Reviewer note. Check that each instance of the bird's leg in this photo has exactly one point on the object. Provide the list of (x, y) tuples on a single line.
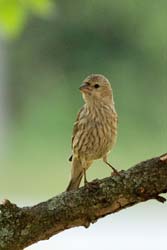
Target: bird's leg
[(114, 169), (90, 185), (85, 180)]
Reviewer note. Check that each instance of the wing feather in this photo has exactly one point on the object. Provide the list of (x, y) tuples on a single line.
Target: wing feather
[(75, 129)]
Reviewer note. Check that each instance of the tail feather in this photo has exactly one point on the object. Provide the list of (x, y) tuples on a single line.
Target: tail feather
[(74, 182), (76, 174)]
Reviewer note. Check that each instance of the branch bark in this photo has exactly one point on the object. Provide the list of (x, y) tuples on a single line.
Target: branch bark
[(21, 227)]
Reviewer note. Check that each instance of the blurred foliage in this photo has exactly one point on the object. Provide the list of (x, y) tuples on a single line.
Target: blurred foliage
[(14, 14), (124, 40)]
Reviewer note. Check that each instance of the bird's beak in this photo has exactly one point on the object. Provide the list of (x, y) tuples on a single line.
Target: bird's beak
[(85, 88)]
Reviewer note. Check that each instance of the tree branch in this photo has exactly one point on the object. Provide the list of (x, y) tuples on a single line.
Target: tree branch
[(21, 227)]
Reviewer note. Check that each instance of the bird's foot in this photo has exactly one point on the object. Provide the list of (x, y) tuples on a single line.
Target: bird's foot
[(92, 185), (116, 173)]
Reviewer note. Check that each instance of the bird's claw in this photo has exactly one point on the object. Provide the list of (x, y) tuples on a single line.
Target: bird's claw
[(114, 174), (92, 185), (117, 173)]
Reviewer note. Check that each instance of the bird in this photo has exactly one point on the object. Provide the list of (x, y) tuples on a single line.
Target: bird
[(95, 129)]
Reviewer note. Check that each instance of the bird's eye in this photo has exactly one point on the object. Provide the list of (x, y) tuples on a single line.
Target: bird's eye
[(96, 86)]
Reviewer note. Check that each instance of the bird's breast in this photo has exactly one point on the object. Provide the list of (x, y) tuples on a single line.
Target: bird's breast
[(97, 132)]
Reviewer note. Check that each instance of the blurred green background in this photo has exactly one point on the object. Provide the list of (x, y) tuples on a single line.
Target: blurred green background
[(46, 49)]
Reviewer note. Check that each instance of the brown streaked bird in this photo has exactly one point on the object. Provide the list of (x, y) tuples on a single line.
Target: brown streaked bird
[(95, 129)]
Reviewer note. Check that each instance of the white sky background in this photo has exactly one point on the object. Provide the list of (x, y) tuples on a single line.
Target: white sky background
[(141, 227)]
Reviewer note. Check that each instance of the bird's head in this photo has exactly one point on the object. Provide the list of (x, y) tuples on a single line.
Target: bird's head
[(96, 88)]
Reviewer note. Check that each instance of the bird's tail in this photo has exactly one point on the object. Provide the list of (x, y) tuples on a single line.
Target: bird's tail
[(76, 175)]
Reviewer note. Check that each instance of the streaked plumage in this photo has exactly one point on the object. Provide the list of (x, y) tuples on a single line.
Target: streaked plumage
[(95, 129)]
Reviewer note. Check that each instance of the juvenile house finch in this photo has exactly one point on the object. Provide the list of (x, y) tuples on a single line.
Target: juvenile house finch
[(95, 129)]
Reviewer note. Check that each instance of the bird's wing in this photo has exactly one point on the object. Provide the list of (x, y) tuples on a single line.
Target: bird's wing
[(70, 158), (75, 129)]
